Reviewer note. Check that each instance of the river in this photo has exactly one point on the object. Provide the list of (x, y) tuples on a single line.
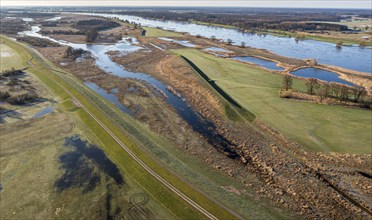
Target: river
[(349, 57), (99, 52)]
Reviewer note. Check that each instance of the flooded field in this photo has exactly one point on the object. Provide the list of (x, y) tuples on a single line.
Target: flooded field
[(100, 52), (349, 57)]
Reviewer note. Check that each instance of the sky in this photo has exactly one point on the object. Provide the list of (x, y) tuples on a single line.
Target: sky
[(365, 4)]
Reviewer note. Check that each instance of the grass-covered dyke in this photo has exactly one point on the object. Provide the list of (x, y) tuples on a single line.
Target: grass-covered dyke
[(322, 128), (56, 81), (229, 109)]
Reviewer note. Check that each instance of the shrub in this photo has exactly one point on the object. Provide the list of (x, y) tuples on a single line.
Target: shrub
[(285, 94), (4, 95), (287, 82), (312, 85)]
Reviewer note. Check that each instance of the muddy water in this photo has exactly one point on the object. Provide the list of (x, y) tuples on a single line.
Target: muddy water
[(199, 124), (349, 57)]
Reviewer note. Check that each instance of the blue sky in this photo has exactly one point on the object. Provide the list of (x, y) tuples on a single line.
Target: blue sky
[(366, 4)]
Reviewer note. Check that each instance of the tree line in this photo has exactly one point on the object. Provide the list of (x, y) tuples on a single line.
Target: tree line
[(324, 90)]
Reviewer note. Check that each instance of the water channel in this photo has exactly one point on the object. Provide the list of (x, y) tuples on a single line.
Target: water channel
[(104, 62)]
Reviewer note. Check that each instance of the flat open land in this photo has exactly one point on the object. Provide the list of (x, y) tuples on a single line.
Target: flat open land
[(317, 127), (155, 32), (9, 58), (119, 146)]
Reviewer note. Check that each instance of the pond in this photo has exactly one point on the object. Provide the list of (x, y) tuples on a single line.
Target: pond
[(108, 96), (321, 75), (43, 112), (261, 62), (217, 49), (349, 57), (181, 42)]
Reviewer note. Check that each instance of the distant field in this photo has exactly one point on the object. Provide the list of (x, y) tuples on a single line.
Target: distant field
[(9, 58), (156, 32), (355, 23), (318, 127)]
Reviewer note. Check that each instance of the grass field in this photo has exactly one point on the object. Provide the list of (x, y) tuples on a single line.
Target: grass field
[(30, 161), (212, 24), (156, 32), (112, 149), (9, 58), (360, 24), (318, 127)]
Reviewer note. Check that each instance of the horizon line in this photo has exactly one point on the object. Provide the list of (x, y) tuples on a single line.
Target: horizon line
[(180, 6)]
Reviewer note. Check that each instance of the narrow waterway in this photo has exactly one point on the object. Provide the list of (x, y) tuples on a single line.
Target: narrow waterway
[(349, 57), (199, 124)]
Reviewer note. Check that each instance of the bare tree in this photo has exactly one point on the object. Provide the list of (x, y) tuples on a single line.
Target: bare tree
[(335, 89), (358, 93), (362, 44), (344, 93), (287, 82), (91, 35), (312, 85), (324, 91)]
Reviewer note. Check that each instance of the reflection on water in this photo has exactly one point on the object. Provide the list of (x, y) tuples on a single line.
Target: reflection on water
[(199, 124), (217, 49), (109, 96), (355, 58), (321, 74), (182, 42), (43, 112), (80, 164), (264, 63)]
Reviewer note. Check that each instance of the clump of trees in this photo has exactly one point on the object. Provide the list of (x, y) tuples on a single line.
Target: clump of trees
[(97, 24), (16, 91), (323, 90), (23, 98), (38, 42), (12, 27), (65, 32), (11, 72), (91, 35), (339, 44), (362, 44), (74, 53), (312, 85), (287, 83)]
